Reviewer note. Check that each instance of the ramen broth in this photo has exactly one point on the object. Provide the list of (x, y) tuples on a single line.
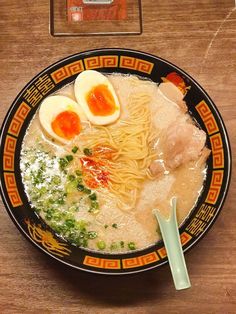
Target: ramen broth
[(93, 216)]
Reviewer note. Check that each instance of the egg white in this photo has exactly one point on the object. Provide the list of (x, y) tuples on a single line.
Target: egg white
[(84, 83), (54, 105)]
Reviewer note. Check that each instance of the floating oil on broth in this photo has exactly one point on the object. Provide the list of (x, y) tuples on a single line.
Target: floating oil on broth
[(98, 190)]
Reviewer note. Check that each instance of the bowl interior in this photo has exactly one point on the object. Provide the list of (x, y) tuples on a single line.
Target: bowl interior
[(200, 107)]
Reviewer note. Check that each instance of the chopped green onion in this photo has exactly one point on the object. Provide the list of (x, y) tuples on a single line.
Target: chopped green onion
[(87, 152), (94, 204), (101, 245), (82, 224), (56, 179), (87, 191), (43, 166), (122, 244), (113, 246), (94, 208), (48, 216), (49, 213), (114, 226), (63, 162), (70, 223), (69, 157), (92, 234), (60, 201), (71, 177), (93, 196), (79, 180), (71, 186), (43, 190), (105, 226), (74, 149), (74, 208), (80, 187), (78, 172), (57, 216), (131, 246)]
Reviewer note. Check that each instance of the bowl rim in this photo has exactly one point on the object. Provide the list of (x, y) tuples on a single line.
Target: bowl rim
[(152, 56)]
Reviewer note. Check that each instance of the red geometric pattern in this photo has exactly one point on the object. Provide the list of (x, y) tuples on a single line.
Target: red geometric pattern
[(101, 262), (101, 62), (12, 190), (196, 226), (217, 151), (206, 212), (18, 119), (207, 117), (216, 142), (216, 182), (67, 71), (162, 252), (211, 125), (203, 110), (136, 64), (9, 153), (184, 238), (140, 260)]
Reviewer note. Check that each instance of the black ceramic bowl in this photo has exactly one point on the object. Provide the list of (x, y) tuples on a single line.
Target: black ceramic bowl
[(21, 112)]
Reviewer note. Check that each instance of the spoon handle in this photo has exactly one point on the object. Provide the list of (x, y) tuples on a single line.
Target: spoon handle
[(171, 238)]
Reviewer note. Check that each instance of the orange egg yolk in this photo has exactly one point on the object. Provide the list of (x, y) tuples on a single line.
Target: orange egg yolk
[(101, 101), (66, 124)]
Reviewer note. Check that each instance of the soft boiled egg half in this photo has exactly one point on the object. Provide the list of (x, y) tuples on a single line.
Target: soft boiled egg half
[(61, 117), (97, 97)]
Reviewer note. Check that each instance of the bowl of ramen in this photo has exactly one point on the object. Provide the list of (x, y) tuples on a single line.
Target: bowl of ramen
[(96, 141)]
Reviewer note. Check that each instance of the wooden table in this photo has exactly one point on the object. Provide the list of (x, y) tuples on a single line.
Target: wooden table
[(198, 36)]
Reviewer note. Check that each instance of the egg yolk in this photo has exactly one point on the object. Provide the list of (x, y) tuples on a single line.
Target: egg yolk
[(100, 101), (66, 124)]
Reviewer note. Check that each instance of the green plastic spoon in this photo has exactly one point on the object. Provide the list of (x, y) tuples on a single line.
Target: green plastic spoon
[(171, 238)]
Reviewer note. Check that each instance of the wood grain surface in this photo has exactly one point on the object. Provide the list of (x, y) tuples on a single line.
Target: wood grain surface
[(198, 36)]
